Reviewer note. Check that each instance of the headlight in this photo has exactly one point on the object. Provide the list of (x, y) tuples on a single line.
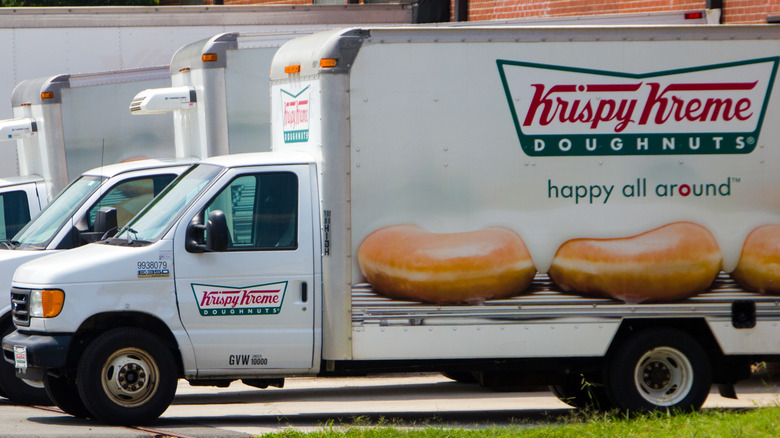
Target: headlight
[(46, 303)]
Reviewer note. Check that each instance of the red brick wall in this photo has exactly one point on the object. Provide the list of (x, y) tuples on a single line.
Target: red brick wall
[(734, 11), (749, 11)]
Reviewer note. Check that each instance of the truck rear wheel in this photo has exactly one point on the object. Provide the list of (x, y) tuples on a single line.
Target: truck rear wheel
[(659, 369), (127, 376), (18, 390), (65, 395)]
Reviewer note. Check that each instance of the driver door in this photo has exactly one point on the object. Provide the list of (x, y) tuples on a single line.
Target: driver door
[(250, 306)]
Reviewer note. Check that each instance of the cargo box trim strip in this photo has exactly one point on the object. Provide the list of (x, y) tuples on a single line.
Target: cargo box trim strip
[(568, 111)]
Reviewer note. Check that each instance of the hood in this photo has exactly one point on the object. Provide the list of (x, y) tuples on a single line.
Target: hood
[(93, 263)]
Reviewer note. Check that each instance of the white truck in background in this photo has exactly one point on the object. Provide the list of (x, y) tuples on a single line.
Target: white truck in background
[(219, 85), (411, 222), (219, 93), (64, 125), (42, 42)]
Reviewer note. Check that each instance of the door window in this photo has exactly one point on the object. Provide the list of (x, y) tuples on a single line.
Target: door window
[(129, 197), (15, 213), (261, 211)]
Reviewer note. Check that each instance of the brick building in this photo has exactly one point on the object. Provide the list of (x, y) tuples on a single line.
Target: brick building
[(732, 11)]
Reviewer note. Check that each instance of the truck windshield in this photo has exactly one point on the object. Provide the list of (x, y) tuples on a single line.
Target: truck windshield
[(153, 221), (40, 231)]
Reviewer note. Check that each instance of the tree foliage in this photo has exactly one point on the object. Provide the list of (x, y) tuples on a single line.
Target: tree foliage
[(42, 3)]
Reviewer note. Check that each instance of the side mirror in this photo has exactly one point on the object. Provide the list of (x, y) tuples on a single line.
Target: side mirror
[(216, 232), (106, 221), (105, 226), (194, 239)]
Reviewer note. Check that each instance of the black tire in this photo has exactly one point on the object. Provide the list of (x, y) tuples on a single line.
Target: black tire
[(583, 394), (659, 369), (17, 390), (127, 376), (461, 376), (65, 395)]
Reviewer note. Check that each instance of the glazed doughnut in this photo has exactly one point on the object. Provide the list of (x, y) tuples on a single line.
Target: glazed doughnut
[(759, 265), (672, 262), (406, 262)]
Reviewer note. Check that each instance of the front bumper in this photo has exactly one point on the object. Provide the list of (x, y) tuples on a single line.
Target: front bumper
[(42, 353)]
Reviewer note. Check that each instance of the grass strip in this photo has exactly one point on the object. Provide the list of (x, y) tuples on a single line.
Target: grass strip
[(752, 423)]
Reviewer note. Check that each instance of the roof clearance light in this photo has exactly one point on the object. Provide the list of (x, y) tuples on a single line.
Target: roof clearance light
[(694, 15), (47, 95), (327, 63), (290, 69), (209, 57)]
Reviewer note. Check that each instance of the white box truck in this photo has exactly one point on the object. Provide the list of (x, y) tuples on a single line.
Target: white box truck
[(219, 93), (532, 206), (219, 85), (45, 41), (64, 125)]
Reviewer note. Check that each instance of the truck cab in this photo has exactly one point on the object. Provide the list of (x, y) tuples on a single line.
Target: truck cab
[(233, 243)]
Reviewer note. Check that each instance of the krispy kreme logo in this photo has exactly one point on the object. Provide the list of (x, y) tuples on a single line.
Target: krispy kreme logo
[(295, 113), (263, 299), (714, 109)]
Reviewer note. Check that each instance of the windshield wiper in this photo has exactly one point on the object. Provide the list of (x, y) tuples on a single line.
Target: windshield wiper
[(134, 232), (10, 244)]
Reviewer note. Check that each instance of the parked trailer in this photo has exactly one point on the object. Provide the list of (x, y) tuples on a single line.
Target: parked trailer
[(64, 125), (526, 205), (219, 87), (219, 94), (47, 41)]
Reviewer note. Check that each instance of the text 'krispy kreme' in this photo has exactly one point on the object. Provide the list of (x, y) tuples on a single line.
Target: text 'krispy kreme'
[(661, 105), (716, 109), (251, 300)]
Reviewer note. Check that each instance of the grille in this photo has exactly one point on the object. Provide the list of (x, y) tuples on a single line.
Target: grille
[(20, 307)]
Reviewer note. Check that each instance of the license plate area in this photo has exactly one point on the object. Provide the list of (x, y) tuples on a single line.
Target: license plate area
[(20, 357)]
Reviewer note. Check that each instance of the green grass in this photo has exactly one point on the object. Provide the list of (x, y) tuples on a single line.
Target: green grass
[(748, 423)]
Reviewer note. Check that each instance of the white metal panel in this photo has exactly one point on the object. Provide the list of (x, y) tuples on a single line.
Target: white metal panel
[(530, 340), (761, 339), (457, 124)]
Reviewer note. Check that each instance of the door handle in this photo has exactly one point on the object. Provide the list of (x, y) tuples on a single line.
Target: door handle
[(304, 292)]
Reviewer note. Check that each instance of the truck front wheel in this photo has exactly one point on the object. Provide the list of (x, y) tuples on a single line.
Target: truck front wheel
[(659, 369), (127, 376)]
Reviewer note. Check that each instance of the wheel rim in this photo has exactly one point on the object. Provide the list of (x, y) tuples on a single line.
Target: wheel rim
[(664, 376), (130, 377)]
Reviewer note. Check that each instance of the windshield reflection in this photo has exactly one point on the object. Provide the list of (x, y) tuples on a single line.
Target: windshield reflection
[(40, 231), (152, 222)]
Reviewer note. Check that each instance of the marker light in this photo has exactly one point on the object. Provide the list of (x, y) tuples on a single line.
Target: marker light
[(209, 57), (46, 303), (327, 62), (694, 15), (290, 69), (47, 95)]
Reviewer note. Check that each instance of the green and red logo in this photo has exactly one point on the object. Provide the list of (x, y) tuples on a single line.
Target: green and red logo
[(713, 109), (295, 113), (261, 299)]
